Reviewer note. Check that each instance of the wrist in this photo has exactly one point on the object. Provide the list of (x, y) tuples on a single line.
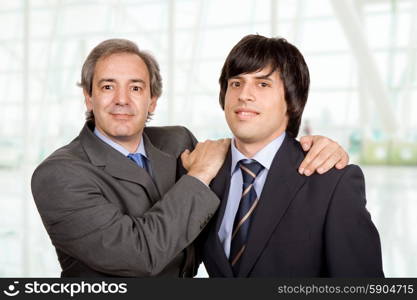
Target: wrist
[(202, 176)]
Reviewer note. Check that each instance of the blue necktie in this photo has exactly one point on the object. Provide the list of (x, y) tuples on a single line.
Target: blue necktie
[(139, 159), (247, 206)]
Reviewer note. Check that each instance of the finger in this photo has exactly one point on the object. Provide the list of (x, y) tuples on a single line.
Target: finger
[(321, 158), (312, 154), (306, 142), (328, 164), (343, 161), (331, 160)]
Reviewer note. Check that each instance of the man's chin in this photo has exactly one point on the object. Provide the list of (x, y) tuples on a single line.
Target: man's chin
[(124, 132), (246, 136)]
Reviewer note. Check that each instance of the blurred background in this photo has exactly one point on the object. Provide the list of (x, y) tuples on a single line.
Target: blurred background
[(362, 57)]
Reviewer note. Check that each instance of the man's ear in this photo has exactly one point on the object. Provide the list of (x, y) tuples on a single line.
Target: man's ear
[(88, 100), (152, 104)]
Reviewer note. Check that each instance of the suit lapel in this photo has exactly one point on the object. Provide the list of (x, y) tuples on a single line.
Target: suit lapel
[(281, 185), (220, 186), (114, 163), (163, 166)]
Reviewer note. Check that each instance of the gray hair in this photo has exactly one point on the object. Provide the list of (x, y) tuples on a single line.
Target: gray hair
[(114, 46)]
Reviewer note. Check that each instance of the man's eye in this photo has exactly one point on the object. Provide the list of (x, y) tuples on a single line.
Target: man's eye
[(264, 84), (136, 88), (107, 87), (235, 84)]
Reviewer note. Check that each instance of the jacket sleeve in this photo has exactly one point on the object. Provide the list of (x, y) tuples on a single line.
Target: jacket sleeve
[(352, 244), (190, 142), (84, 224), (192, 258)]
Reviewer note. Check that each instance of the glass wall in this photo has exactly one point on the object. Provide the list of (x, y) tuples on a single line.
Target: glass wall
[(362, 60)]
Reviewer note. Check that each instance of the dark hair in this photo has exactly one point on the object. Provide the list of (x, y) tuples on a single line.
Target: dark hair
[(255, 52), (114, 46)]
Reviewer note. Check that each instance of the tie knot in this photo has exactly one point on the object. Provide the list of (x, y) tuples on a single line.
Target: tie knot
[(137, 158), (250, 171)]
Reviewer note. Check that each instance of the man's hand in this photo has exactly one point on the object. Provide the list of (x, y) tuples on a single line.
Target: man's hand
[(323, 155), (206, 159)]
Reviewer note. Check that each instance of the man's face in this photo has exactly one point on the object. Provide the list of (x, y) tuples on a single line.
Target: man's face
[(255, 107), (121, 97)]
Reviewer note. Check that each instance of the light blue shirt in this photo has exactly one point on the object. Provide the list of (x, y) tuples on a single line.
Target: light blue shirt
[(264, 157), (120, 148)]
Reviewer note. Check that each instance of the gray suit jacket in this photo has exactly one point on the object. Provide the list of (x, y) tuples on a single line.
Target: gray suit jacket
[(107, 216)]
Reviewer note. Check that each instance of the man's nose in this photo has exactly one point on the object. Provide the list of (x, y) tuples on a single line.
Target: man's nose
[(246, 93), (121, 96)]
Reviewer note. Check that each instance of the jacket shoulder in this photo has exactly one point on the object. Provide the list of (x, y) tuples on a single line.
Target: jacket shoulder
[(70, 152), (64, 158), (348, 171), (171, 139), (167, 132), (297, 154)]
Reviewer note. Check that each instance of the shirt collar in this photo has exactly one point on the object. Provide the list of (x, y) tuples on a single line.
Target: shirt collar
[(264, 156), (118, 147)]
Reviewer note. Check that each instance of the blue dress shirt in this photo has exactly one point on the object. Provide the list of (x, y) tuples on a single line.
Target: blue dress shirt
[(121, 149)]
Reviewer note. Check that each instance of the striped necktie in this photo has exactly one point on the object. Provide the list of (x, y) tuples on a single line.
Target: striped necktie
[(247, 205)]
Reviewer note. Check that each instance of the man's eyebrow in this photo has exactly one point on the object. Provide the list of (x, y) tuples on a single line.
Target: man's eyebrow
[(138, 80), (267, 77), (106, 80), (236, 77), (135, 80)]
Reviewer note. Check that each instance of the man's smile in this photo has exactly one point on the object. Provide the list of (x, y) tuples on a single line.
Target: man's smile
[(246, 113)]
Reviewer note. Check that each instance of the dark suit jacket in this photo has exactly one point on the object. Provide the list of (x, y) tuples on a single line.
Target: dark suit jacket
[(107, 216), (314, 226)]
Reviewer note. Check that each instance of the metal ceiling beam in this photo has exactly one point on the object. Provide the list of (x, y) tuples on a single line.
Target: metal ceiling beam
[(366, 62), (170, 89), (409, 76), (26, 142), (274, 17)]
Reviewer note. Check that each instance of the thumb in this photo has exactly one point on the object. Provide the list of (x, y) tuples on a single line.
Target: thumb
[(185, 155)]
